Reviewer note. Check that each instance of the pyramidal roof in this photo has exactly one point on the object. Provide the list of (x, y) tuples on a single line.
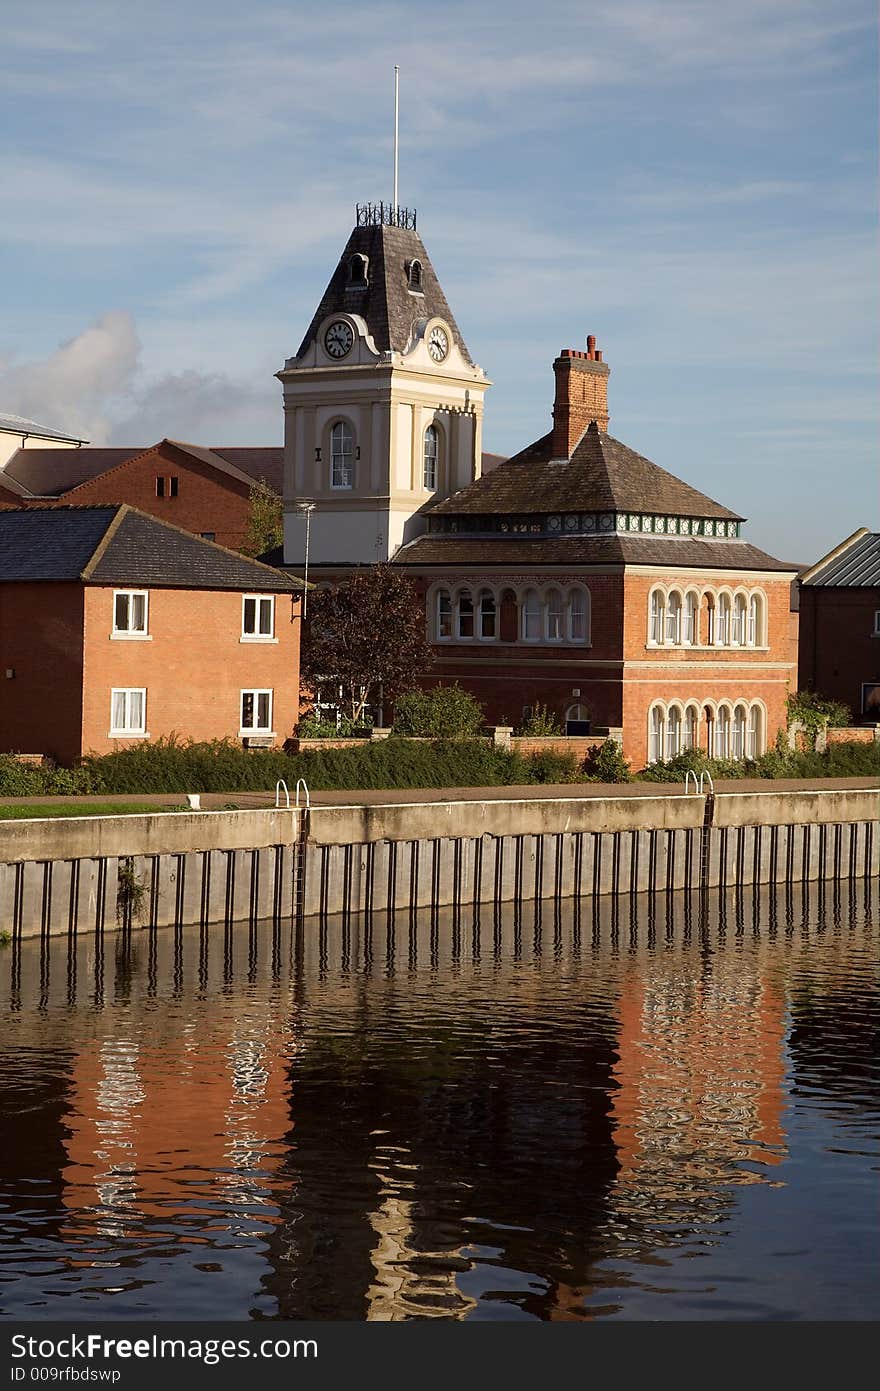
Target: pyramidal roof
[(387, 303), (601, 475)]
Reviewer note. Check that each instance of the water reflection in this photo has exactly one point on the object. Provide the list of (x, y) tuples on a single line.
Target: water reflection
[(568, 1111)]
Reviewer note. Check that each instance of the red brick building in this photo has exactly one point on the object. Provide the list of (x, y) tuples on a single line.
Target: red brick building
[(205, 491), (840, 625), (577, 575), (116, 628)]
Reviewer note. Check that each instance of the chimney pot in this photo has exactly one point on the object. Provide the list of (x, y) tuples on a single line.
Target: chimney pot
[(581, 396)]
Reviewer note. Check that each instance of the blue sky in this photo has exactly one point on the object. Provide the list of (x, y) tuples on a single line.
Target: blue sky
[(692, 181)]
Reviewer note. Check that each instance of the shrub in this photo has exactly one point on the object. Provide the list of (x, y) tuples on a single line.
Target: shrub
[(442, 712), (312, 727), (548, 766), (541, 724), (815, 712), (606, 763)]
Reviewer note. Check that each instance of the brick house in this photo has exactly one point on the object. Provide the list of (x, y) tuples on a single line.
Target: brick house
[(117, 628), (840, 625), (205, 491)]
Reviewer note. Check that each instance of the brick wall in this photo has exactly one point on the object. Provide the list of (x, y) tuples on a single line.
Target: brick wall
[(838, 649), (193, 667), (854, 735), (578, 746), (207, 500), (41, 644)]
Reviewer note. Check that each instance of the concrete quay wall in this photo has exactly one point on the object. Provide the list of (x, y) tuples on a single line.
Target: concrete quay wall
[(91, 874)]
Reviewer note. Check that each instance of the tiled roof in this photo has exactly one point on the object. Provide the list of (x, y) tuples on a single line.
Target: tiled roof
[(601, 475), (389, 307), (121, 546), (20, 425), (52, 472), (853, 565), (579, 551)]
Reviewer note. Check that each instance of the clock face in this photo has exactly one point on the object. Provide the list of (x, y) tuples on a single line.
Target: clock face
[(438, 343), (339, 338)]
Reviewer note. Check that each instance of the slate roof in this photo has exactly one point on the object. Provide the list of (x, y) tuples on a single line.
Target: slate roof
[(122, 546), (20, 425), (579, 551), (601, 475), (853, 565), (389, 307), (51, 472)]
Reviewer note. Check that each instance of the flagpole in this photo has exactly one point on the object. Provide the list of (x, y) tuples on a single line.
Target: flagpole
[(396, 113)]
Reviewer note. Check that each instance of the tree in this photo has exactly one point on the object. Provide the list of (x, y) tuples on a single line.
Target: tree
[(366, 636), (265, 528)]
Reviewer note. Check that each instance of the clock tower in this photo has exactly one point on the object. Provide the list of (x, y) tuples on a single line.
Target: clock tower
[(383, 403)]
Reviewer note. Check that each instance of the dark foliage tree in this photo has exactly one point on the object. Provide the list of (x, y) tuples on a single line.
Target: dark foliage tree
[(367, 637), (265, 527)]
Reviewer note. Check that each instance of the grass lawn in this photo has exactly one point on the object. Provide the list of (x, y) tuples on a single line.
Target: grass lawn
[(33, 810)]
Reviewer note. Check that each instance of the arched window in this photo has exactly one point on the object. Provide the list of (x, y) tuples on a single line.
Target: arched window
[(357, 271), (655, 735), (531, 616), (722, 733), (579, 615), (414, 275), (577, 720), (740, 621), (689, 621), (488, 614), (341, 455), (723, 621), (673, 731), (657, 615), (444, 614), (673, 617), (756, 621), (465, 614), (555, 616), (429, 468), (691, 727), (755, 736), (739, 732)]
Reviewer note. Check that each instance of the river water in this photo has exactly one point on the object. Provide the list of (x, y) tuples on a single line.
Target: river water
[(664, 1110)]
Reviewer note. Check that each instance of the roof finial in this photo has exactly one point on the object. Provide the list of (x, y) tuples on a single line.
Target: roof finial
[(396, 111)]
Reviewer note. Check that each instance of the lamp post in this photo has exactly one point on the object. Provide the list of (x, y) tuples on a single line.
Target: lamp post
[(307, 507)]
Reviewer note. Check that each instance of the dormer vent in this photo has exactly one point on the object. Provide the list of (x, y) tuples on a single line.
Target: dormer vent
[(414, 274), (357, 272)]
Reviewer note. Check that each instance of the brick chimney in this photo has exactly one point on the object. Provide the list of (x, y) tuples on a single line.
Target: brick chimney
[(581, 396)]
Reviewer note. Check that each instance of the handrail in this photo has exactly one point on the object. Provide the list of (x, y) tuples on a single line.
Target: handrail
[(301, 783), (278, 786), (687, 781), (708, 776)]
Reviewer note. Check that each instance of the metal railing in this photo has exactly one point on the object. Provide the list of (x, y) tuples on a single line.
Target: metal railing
[(301, 783), (278, 786)]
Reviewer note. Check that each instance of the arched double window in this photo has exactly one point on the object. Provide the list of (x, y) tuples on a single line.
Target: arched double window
[(727, 733), (673, 617), (722, 635), (717, 619), (430, 456), (341, 455), (740, 621), (464, 615)]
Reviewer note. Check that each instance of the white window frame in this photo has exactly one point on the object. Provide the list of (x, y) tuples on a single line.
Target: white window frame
[(258, 600), (125, 731), (448, 613), (132, 634), (256, 692), (432, 460), (656, 618), (877, 623), (346, 460)]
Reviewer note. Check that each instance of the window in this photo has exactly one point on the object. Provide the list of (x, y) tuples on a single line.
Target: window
[(208, 535), (128, 709), (722, 733), (256, 712), (739, 732), (577, 615), (689, 629), (465, 614), (723, 621), (554, 612), (755, 744), (657, 617), (531, 616), (172, 488), (488, 614), (341, 455), (414, 275), (130, 613), (691, 727), (577, 720), (357, 272), (444, 614), (655, 740), (673, 618), (429, 470), (258, 617), (160, 486), (740, 621), (877, 623)]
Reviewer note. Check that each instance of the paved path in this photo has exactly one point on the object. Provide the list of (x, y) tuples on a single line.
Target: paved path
[(214, 801)]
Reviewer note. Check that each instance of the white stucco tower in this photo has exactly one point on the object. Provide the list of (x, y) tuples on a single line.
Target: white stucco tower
[(383, 404)]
